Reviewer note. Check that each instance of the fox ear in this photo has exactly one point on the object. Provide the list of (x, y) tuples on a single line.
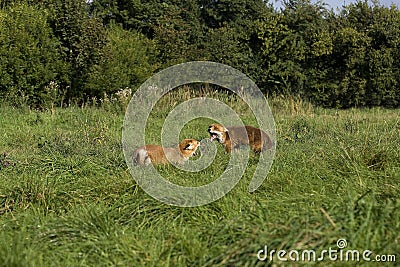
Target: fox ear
[(188, 147)]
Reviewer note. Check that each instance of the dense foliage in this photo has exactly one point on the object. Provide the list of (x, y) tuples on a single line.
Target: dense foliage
[(58, 51)]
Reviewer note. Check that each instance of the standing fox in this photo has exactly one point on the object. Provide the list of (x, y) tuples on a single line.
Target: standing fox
[(156, 154), (235, 136)]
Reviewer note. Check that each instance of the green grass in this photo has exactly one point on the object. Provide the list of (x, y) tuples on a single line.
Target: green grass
[(67, 198)]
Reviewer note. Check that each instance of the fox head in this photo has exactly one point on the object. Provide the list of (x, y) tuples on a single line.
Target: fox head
[(188, 147), (217, 132)]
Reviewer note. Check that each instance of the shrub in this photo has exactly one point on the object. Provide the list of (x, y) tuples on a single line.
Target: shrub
[(128, 60), (30, 55)]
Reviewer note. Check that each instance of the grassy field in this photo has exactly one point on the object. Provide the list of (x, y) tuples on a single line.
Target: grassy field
[(67, 198)]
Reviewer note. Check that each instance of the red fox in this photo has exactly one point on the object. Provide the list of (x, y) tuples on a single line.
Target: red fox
[(156, 154), (237, 135)]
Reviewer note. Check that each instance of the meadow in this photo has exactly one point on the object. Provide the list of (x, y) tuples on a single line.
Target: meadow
[(67, 197)]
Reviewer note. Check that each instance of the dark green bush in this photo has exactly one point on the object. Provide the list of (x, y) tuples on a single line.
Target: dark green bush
[(31, 58), (128, 60), (53, 50)]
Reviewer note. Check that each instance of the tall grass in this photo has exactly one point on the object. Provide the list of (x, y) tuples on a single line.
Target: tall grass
[(67, 198)]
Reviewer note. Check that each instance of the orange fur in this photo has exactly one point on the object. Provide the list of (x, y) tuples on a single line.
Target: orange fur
[(158, 155), (235, 136)]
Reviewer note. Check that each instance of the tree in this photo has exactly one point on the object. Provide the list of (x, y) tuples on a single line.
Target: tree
[(294, 43), (231, 33), (178, 33), (366, 45), (82, 38)]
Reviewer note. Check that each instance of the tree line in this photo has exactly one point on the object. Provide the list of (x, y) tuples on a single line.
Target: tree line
[(73, 50)]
